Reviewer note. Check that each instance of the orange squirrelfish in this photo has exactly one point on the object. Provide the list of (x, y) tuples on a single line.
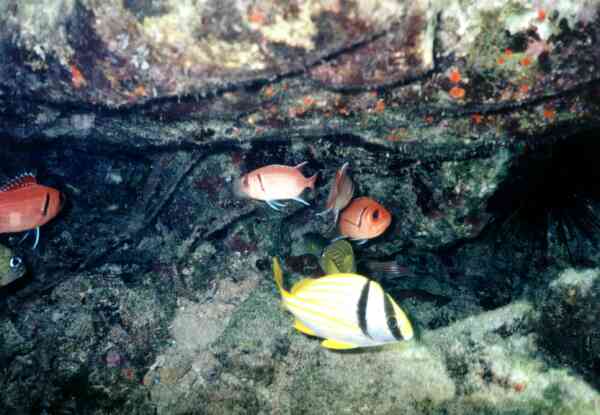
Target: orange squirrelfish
[(27, 205), (274, 183), (340, 193), (364, 219)]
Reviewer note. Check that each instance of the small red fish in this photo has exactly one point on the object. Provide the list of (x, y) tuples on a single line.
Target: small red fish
[(364, 219), (340, 193), (27, 205), (274, 183)]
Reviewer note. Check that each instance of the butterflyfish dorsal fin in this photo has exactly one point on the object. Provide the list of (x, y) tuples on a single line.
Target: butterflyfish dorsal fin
[(337, 345), (18, 182), (278, 275), (298, 325)]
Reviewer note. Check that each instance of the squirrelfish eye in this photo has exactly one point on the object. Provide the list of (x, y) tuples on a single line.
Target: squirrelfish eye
[(376, 214), (15, 262)]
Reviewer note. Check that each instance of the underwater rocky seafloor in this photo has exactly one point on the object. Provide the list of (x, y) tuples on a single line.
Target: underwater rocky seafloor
[(474, 123), (137, 302)]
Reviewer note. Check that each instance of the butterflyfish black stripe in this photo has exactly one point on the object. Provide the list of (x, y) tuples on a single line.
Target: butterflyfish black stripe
[(46, 204), (362, 309), (390, 317)]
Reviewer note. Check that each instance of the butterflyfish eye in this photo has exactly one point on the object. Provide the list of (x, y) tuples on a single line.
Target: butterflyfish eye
[(376, 214), (245, 181), (15, 262)]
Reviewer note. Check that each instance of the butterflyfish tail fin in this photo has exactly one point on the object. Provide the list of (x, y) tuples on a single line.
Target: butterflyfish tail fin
[(278, 275), (337, 345)]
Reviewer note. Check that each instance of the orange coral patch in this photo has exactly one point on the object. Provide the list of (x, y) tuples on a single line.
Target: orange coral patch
[(549, 113), (380, 106), (524, 88), (476, 118), (457, 92), (501, 61)]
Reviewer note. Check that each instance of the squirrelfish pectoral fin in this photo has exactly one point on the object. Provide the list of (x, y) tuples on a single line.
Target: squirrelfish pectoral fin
[(303, 329), (337, 345)]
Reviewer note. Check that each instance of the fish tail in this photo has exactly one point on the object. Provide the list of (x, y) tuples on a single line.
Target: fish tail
[(310, 182), (278, 274)]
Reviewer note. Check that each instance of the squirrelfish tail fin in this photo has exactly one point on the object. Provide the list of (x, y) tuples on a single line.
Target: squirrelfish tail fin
[(278, 275), (310, 182)]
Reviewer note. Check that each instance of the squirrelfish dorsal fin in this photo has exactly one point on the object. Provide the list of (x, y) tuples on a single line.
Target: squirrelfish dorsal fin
[(18, 182)]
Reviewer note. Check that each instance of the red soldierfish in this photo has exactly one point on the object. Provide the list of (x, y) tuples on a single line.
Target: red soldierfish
[(364, 219), (340, 193), (274, 183), (27, 205)]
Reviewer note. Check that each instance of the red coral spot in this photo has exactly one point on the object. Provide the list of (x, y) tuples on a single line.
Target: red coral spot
[(77, 78), (524, 88), (476, 118), (541, 15), (526, 61), (501, 61), (519, 387), (454, 76)]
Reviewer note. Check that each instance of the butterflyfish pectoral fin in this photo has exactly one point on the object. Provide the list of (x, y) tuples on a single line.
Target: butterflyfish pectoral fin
[(362, 241), (303, 329), (337, 345)]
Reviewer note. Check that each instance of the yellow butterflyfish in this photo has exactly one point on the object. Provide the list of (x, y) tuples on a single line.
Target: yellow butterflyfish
[(346, 309)]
